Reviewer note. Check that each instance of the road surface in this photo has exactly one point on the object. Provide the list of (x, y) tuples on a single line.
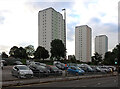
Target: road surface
[(95, 82)]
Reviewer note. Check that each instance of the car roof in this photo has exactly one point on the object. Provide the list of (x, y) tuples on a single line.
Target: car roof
[(20, 65), (72, 66)]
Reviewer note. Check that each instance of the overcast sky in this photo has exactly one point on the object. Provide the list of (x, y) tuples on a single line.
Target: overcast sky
[(19, 21)]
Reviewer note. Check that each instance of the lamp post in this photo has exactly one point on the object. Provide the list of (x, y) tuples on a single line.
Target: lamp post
[(64, 19), (64, 22)]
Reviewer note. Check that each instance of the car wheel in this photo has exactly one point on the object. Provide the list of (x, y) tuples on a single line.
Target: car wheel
[(18, 76)]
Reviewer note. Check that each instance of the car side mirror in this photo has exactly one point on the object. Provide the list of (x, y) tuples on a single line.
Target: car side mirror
[(16, 69)]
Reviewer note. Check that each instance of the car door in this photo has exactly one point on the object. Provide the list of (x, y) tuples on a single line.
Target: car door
[(73, 70), (15, 71)]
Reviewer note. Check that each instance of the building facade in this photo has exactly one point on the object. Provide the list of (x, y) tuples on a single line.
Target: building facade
[(83, 43), (50, 27), (101, 44)]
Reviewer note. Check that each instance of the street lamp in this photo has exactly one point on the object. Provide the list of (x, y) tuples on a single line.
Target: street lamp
[(64, 26), (64, 19)]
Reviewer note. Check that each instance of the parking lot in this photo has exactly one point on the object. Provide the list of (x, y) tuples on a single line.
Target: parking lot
[(7, 75)]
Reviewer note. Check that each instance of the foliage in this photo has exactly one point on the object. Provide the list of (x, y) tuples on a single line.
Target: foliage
[(58, 49), (111, 56), (23, 61), (18, 52), (72, 58), (22, 53), (96, 59), (12, 51), (4, 55), (41, 52), (30, 50)]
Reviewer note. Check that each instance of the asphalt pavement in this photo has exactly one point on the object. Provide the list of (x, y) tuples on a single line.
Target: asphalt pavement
[(111, 81)]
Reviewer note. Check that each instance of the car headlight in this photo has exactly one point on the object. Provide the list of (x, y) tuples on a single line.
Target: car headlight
[(21, 72), (41, 71)]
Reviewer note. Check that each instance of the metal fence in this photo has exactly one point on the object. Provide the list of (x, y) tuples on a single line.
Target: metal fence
[(39, 77)]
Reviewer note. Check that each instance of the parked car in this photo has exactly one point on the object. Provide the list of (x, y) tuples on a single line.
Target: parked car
[(106, 69), (39, 70), (22, 71), (35, 64), (4, 62), (17, 63), (97, 69), (72, 64), (54, 70), (75, 70), (60, 66), (56, 62), (85, 67)]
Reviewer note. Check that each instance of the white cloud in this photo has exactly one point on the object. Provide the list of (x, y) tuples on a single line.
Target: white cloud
[(20, 23)]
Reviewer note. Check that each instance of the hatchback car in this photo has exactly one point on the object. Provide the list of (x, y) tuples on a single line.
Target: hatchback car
[(75, 70), (85, 67), (35, 64), (22, 71), (97, 69), (17, 63), (60, 66), (39, 71), (54, 70)]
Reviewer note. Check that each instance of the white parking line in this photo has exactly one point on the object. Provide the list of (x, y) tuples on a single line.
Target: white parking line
[(98, 83), (84, 86)]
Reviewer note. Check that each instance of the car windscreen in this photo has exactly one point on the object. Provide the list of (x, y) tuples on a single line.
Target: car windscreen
[(37, 63), (78, 68), (54, 68), (22, 67), (42, 68)]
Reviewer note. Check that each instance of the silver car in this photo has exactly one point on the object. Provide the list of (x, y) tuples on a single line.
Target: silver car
[(22, 71)]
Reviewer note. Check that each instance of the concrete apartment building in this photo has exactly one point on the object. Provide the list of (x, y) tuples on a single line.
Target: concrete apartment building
[(50, 27), (83, 44), (101, 44)]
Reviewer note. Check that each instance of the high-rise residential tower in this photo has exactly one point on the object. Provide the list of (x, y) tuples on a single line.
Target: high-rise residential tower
[(83, 43), (50, 27), (101, 44)]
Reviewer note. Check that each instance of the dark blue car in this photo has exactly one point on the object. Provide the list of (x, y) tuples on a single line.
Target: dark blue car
[(75, 70)]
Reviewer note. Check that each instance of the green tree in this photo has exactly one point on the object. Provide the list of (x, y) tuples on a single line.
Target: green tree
[(4, 55), (30, 50), (109, 58), (12, 51), (96, 59), (118, 55), (41, 53), (58, 49), (22, 53), (45, 54), (18, 52), (72, 58), (116, 52)]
